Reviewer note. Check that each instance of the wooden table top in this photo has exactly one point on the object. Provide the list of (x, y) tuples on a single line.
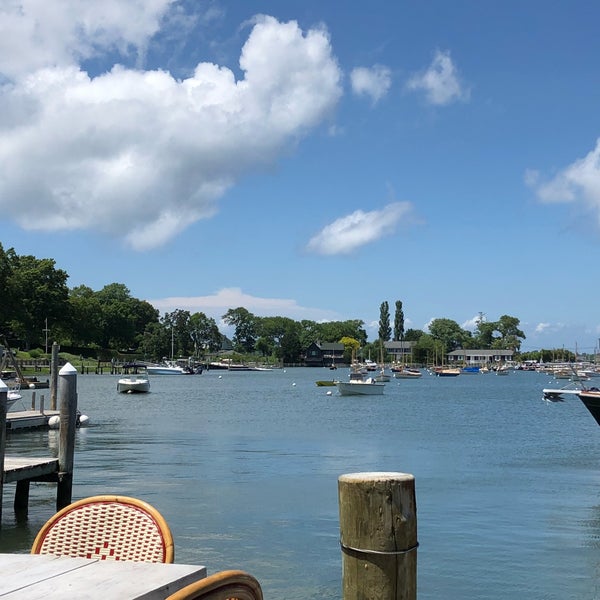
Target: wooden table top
[(34, 576)]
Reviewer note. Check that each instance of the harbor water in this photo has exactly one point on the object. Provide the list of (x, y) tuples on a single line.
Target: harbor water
[(244, 468)]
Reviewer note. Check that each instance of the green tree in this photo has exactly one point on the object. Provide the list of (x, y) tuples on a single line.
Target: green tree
[(510, 334), (204, 333), (42, 293), (351, 346), (484, 332), (448, 332), (123, 317), (178, 323), (7, 300), (156, 341), (86, 317), (413, 335), (385, 331), (245, 323), (399, 322)]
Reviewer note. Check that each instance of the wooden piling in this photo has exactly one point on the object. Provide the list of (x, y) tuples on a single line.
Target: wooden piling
[(67, 396), (3, 409), (378, 536)]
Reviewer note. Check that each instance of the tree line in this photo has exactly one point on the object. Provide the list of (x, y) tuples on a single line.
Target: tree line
[(37, 307)]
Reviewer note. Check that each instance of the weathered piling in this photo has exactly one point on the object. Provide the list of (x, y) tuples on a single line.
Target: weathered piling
[(67, 394), (378, 536), (3, 409)]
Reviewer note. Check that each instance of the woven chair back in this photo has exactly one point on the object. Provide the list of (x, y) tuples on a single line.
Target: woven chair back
[(225, 585), (108, 528)]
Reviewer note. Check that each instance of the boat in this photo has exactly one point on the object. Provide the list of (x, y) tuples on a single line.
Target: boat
[(13, 395), (471, 370), (165, 369), (360, 387), (591, 400), (325, 382), (446, 372), (407, 373), (370, 365), (133, 385), (383, 376)]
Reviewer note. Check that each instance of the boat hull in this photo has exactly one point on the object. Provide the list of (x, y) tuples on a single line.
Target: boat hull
[(164, 370), (360, 388), (591, 400), (133, 386)]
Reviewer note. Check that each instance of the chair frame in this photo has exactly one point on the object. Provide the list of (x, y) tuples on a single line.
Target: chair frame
[(60, 534), (224, 585)]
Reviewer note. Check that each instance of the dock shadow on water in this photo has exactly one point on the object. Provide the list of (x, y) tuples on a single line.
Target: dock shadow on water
[(244, 467)]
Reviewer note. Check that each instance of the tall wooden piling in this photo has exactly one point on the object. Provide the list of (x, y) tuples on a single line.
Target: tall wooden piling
[(3, 409), (378, 536), (67, 396)]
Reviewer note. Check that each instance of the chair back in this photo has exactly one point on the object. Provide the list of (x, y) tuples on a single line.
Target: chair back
[(108, 528), (225, 585)]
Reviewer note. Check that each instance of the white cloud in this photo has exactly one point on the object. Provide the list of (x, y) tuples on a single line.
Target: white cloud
[(35, 35), (543, 328), (471, 324), (139, 154), (218, 304), (578, 183), (440, 81), (374, 82), (349, 233)]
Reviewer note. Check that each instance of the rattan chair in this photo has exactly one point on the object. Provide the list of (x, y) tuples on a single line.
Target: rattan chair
[(225, 585), (108, 528)]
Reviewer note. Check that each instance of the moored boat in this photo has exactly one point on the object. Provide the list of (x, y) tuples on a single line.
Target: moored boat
[(446, 372), (325, 382), (165, 369), (407, 373), (364, 387), (133, 385), (591, 400)]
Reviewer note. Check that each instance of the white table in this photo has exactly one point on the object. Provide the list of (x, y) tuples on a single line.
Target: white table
[(34, 576)]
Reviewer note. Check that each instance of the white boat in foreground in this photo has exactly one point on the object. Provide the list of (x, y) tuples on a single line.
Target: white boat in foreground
[(133, 385), (355, 387)]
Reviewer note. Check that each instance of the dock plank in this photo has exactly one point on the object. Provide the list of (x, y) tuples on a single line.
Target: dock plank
[(28, 419), (27, 467)]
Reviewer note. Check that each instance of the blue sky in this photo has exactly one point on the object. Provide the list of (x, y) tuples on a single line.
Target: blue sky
[(311, 159)]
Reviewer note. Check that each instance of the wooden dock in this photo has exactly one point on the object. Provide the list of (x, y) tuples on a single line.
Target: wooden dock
[(29, 419), (24, 470)]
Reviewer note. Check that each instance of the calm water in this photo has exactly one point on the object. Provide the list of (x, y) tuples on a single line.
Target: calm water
[(244, 467)]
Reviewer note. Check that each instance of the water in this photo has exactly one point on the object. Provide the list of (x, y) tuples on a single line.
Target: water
[(244, 467)]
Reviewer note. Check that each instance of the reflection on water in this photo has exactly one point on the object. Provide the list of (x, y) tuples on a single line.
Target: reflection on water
[(244, 467)]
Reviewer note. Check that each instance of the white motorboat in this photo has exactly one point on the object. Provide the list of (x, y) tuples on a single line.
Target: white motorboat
[(133, 385), (165, 369), (360, 387), (12, 396)]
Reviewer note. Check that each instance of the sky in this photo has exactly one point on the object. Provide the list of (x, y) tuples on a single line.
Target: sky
[(312, 158)]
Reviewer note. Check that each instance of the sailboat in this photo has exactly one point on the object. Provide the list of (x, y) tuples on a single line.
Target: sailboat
[(383, 376)]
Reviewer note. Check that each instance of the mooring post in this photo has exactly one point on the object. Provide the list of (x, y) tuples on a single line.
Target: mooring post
[(378, 536), (53, 376), (3, 409), (67, 395)]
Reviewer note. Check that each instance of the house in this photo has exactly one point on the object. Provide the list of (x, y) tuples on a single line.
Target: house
[(400, 352), (479, 357), (324, 354)]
